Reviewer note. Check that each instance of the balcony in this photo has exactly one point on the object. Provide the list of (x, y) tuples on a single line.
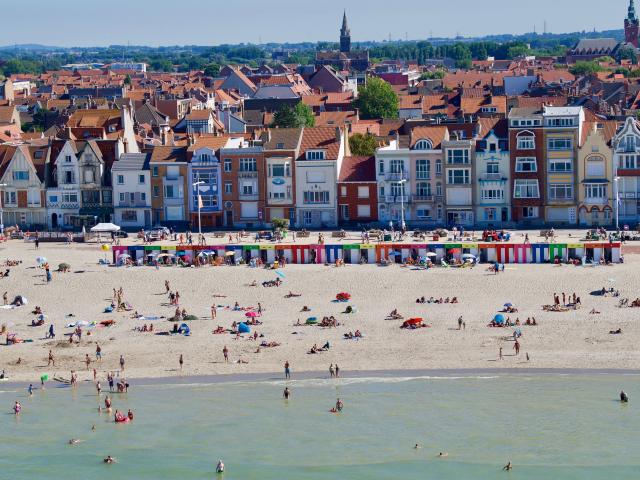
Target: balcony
[(422, 198), (248, 196), (247, 174), (134, 204), (396, 176), (397, 198), (491, 176), (423, 176)]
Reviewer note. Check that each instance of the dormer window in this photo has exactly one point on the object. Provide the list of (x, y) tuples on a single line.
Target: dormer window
[(315, 155), (423, 144), (67, 158), (280, 146), (205, 157)]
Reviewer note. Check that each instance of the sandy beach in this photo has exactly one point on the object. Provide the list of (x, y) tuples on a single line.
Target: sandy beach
[(572, 339)]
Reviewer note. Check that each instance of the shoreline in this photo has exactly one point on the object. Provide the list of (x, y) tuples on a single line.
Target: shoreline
[(322, 375)]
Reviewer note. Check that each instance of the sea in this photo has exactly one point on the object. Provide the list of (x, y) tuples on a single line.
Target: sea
[(549, 426)]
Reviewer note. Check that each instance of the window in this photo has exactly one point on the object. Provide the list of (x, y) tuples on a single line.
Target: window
[(526, 164), (525, 189), (423, 213), (439, 189), (154, 171), (122, 197), (493, 147), (21, 175), (69, 198), (315, 155), (363, 192), (380, 167), (438, 167), (344, 212), (307, 218), (423, 169), (629, 161), (459, 176), (629, 143), (228, 187), (560, 165), (492, 194), (526, 142), (247, 189), (205, 158), (156, 191), (381, 191), (557, 144), (278, 170), (10, 197), (529, 212), (316, 197), (364, 211), (397, 166), (129, 216), (343, 191), (595, 190), (53, 198), (143, 196), (106, 197), (227, 164), (490, 214), (560, 191), (316, 177), (560, 122), (280, 146), (397, 189), (67, 158), (493, 168), (169, 191), (458, 156), (120, 179), (248, 165), (439, 210), (423, 189), (488, 109), (141, 179), (423, 145), (595, 166), (69, 177)]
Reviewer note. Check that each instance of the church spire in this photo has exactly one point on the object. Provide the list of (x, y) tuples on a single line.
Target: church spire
[(345, 28), (345, 35), (631, 12)]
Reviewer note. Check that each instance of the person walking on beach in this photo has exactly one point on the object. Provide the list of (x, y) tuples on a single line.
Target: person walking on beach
[(500, 353), (337, 371), (287, 370), (564, 298), (516, 347), (110, 381), (213, 311), (460, 322), (37, 242), (52, 360), (167, 286), (332, 372), (259, 309), (87, 360), (5, 298), (225, 352), (98, 352), (122, 362), (181, 362)]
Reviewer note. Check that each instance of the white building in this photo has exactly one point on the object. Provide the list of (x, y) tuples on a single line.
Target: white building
[(132, 190), (63, 192), (493, 205)]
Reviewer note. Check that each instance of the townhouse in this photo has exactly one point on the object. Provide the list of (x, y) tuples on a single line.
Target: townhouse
[(459, 173), (169, 185), (205, 181), (22, 174), (316, 174), (527, 165), (63, 185), (357, 191), (595, 174), (243, 199), (281, 148), (492, 187), (626, 173), (562, 131), (132, 190)]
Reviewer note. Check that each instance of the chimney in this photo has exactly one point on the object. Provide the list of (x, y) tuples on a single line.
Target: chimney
[(163, 137), (347, 148), (338, 134), (125, 142)]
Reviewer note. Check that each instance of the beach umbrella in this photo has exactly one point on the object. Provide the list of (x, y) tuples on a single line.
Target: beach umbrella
[(432, 254), (251, 314), (230, 254), (508, 304), (41, 260), (468, 255), (125, 255), (280, 274), (499, 318), (44, 377), (393, 254), (181, 254)]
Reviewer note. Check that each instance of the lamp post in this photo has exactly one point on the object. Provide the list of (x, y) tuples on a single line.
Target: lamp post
[(195, 186), (402, 224), (2, 209), (617, 200)]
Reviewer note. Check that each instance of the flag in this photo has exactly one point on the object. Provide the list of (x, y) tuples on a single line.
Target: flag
[(200, 205)]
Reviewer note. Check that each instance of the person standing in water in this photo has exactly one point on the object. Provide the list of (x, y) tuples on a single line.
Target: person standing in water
[(337, 371), (624, 398), (30, 389), (332, 372), (287, 393), (220, 467), (122, 362), (287, 370), (339, 405)]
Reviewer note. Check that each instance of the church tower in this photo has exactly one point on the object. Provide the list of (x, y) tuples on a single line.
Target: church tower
[(345, 35), (631, 25)]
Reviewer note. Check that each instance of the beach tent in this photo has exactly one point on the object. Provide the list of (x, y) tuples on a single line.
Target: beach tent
[(105, 227), (499, 319), (243, 328)]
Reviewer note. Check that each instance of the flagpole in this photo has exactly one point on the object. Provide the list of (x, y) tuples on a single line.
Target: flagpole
[(196, 185)]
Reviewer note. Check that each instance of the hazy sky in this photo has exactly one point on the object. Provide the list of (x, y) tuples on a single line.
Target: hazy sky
[(212, 22)]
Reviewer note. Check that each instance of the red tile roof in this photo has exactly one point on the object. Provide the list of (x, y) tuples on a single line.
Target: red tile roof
[(358, 169), (320, 138)]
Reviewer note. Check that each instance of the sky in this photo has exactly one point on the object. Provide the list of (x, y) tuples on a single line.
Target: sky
[(212, 22)]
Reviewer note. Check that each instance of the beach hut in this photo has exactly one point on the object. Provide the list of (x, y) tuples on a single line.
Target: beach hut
[(470, 248), (332, 253), (453, 251), (268, 253), (250, 251), (300, 253), (368, 253), (575, 251), (593, 252), (539, 252), (504, 252), (351, 253), (612, 251), (558, 251), (521, 253)]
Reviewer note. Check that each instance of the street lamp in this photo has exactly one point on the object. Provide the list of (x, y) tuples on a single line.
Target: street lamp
[(402, 224), (195, 185), (2, 209), (617, 199)]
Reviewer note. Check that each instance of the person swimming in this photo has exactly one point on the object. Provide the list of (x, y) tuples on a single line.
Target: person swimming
[(417, 446), (74, 441), (220, 467), (109, 459), (624, 398), (286, 393), (17, 408), (507, 467), (443, 454)]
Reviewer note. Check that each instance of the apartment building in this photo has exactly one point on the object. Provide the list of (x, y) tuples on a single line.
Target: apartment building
[(357, 191), (205, 181), (626, 173), (132, 190), (63, 185), (459, 174), (169, 184)]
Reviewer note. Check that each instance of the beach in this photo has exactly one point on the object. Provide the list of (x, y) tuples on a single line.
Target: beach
[(561, 340)]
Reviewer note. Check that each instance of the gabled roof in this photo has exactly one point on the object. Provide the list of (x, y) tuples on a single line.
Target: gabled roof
[(7, 152), (358, 169), (168, 154), (320, 138), (132, 162), (436, 134), (288, 138)]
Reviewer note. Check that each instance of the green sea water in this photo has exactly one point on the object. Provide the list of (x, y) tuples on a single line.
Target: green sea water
[(548, 426)]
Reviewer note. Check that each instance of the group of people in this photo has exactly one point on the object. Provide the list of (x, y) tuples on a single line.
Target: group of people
[(437, 300)]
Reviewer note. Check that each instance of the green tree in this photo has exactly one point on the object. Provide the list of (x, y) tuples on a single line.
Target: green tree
[(127, 79), (377, 100), (297, 117), (362, 145), (437, 74), (212, 70), (585, 68)]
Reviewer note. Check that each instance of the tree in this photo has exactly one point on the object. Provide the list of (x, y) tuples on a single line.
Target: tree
[(297, 117), (362, 145), (585, 68), (377, 100), (212, 70), (436, 74)]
